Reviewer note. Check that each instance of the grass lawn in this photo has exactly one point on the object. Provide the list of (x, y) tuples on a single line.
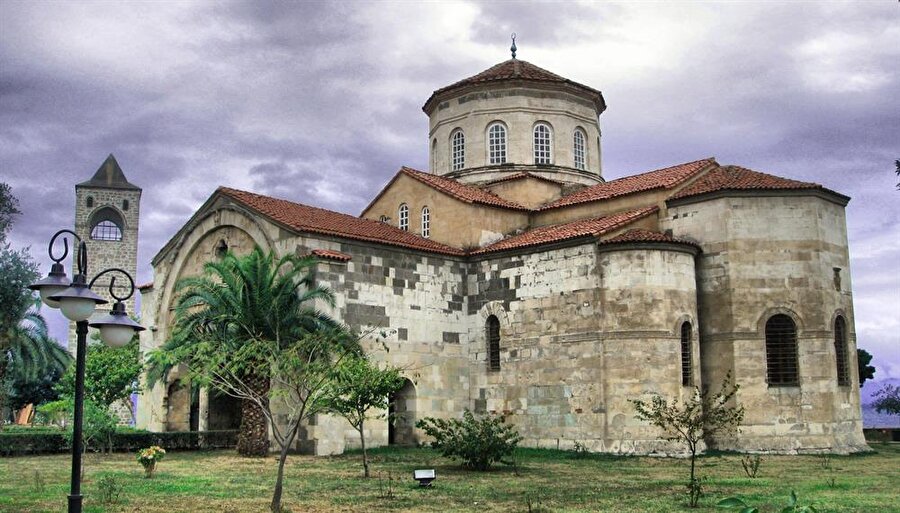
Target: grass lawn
[(552, 481)]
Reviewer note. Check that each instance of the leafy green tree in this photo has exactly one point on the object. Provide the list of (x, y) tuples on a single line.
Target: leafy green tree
[(236, 302), (9, 209), (478, 442), (110, 373), (701, 416), (24, 390), (866, 371), (887, 400), (357, 387)]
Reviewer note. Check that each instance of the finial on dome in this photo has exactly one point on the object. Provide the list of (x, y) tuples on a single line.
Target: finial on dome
[(513, 47)]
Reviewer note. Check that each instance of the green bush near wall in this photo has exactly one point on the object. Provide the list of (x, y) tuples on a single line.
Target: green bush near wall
[(18, 443)]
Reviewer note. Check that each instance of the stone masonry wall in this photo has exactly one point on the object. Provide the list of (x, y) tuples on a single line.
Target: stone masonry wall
[(764, 255)]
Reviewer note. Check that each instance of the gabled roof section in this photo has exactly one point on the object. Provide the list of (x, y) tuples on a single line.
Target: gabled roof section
[(460, 191), (638, 235), (521, 176), (515, 69), (576, 229), (736, 178), (665, 178), (303, 218), (109, 176)]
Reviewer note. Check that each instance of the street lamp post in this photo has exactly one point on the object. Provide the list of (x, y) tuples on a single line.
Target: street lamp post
[(77, 302)]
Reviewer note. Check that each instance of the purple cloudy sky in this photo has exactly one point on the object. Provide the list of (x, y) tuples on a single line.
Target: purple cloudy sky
[(320, 103)]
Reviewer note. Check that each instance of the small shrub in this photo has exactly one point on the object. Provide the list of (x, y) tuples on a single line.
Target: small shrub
[(109, 489), (533, 504), (695, 490), (751, 462), (39, 483), (580, 451), (825, 460), (477, 442), (386, 489)]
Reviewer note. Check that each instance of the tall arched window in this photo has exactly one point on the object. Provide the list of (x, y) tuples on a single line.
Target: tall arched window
[(578, 149), (781, 351), (403, 217), (840, 351), (457, 150), (492, 330), (497, 144), (543, 146), (687, 377), (426, 222)]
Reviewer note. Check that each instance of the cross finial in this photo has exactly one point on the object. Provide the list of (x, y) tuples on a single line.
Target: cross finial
[(513, 47)]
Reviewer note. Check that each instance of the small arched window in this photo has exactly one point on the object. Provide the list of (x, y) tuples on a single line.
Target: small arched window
[(433, 155), (781, 351), (687, 378), (384, 219), (426, 222), (492, 331), (124, 204), (221, 249), (89, 202), (457, 150), (497, 144), (578, 149), (543, 146), (403, 217), (840, 351)]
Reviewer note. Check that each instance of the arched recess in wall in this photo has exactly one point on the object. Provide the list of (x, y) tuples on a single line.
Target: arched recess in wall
[(188, 243), (402, 415), (688, 347), (107, 224)]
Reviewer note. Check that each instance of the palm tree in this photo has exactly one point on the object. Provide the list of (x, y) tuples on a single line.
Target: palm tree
[(236, 300), (26, 347)]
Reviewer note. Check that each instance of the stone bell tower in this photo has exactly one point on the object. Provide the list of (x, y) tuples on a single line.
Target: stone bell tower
[(107, 209)]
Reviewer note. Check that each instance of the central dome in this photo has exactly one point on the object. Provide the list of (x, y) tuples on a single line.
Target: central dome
[(515, 117)]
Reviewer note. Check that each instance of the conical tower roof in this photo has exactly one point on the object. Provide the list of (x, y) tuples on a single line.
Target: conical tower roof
[(109, 176)]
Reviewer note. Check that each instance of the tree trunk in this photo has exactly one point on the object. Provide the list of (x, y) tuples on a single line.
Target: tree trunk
[(362, 441), (279, 481), (253, 438)]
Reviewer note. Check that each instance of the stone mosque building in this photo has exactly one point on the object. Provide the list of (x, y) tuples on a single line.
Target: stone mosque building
[(514, 279)]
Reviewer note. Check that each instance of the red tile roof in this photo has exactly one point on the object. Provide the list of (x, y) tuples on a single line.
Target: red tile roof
[(572, 230), (461, 191), (665, 178), (520, 176), (515, 69), (739, 178), (304, 218), (330, 254), (640, 235)]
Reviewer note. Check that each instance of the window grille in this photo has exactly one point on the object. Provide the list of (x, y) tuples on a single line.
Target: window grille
[(106, 230), (840, 351), (497, 144), (458, 151), (426, 222), (781, 351), (542, 145), (579, 149), (493, 340), (687, 378), (403, 216)]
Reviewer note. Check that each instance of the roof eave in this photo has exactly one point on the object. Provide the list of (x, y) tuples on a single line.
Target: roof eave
[(819, 192)]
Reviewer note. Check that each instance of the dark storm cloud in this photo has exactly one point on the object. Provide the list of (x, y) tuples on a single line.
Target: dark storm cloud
[(319, 102)]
